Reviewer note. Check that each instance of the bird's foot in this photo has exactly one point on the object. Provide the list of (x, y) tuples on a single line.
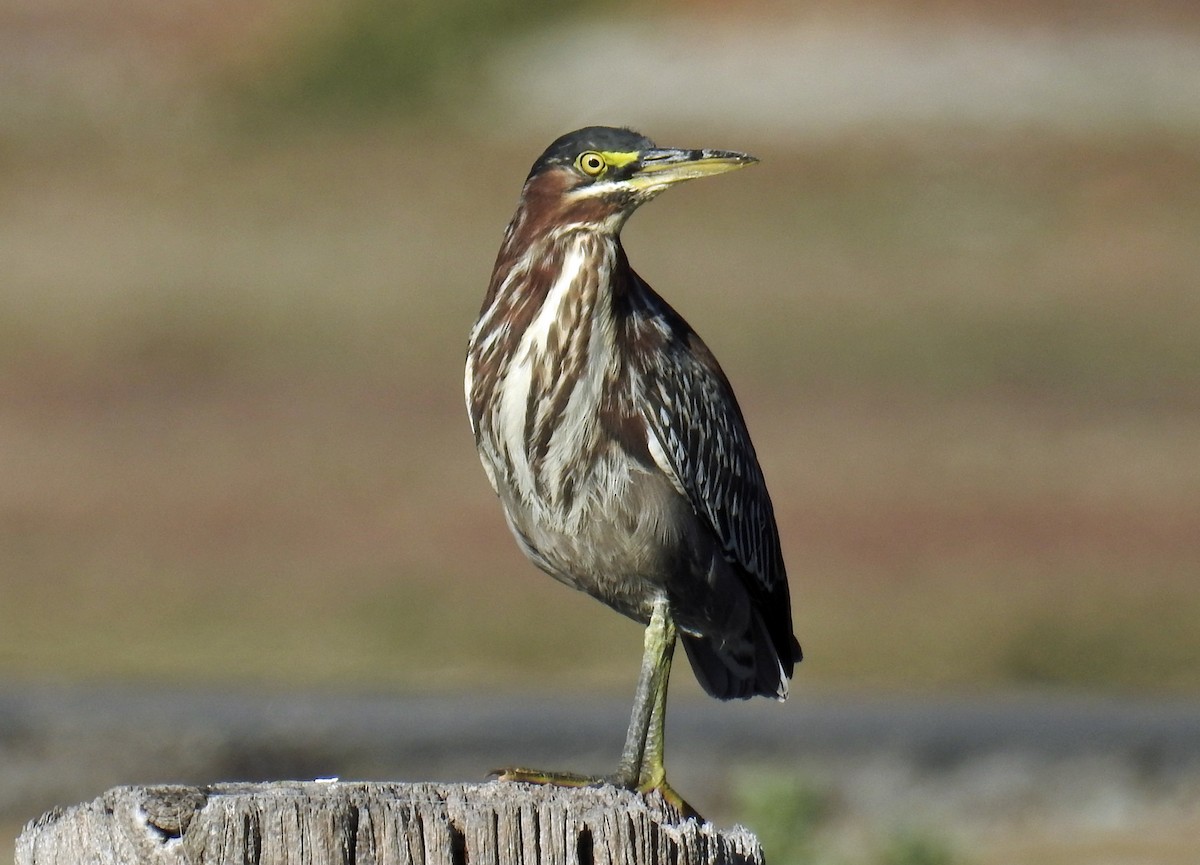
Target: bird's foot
[(652, 778), (673, 799), (555, 779), (571, 779)]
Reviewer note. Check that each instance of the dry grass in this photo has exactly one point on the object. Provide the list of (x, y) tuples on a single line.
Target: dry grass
[(233, 445)]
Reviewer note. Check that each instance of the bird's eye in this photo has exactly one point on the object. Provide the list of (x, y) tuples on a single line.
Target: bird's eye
[(591, 163)]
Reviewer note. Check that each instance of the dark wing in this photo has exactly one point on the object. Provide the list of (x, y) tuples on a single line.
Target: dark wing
[(695, 418)]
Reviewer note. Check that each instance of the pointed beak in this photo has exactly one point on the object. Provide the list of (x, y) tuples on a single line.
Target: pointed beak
[(660, 168)]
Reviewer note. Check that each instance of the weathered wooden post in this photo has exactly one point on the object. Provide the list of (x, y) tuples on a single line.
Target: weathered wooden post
[(320, 822)]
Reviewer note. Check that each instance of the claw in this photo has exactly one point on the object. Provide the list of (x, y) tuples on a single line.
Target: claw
[(673, 800)]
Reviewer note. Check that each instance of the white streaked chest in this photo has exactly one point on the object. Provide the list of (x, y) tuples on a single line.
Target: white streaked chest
[(545, 421), (532, 358)]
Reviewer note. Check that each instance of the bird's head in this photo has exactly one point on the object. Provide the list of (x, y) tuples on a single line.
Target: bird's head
[(597, 176)]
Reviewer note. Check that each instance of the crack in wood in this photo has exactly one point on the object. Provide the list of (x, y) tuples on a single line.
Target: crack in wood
[(291, 823)]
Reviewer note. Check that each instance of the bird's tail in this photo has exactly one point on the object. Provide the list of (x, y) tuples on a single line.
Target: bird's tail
[(747, 666)]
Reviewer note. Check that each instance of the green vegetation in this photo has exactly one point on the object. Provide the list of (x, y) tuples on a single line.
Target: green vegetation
[(912, 847), (368, 56), (786, 813), (795, 819)]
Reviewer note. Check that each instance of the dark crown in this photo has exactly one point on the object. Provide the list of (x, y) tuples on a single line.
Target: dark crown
[(566, 147)]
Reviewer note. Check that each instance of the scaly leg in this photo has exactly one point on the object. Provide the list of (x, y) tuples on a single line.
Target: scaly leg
[(643, 742), (642, 758), (641, 767)]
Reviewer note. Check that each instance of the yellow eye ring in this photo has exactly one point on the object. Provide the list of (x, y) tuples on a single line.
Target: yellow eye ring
[(591, 163)]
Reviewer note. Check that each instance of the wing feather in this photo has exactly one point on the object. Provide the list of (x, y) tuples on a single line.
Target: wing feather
[(699, 437)]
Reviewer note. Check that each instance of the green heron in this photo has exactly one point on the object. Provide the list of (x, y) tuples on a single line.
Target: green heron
[(614, 441)]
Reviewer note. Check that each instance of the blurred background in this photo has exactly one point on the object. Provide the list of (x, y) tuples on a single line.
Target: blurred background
[(243, 530)]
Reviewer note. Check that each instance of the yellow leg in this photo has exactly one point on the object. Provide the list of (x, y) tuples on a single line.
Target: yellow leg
[(641, 767), (656, 667)]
